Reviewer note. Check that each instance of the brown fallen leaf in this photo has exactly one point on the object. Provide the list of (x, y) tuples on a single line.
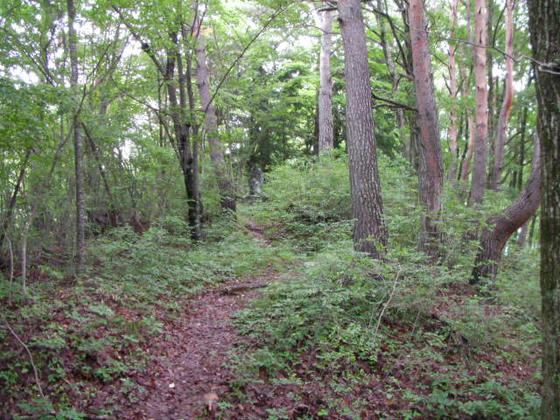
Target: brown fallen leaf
[(210, 399)]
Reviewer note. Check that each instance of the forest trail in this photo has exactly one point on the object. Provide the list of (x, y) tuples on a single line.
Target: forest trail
[(189, 374)]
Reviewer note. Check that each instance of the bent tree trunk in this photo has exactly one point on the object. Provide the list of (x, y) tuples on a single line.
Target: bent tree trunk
[(370, 233), (544, 21), (502, 226), (227, 193), (430, 172)]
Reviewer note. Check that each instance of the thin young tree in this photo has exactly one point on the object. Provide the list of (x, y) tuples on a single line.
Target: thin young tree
[(481, 134), (544, 21), (501, 129), (466, 164), (430, 173), (227, 192), (78, 142), (370, 233), (453, 91), (324, 19)]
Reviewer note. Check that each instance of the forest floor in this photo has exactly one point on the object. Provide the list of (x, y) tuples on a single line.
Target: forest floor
[(252, 327), (190, 373)]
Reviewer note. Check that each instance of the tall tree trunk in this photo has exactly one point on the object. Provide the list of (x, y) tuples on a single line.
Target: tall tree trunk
[(544, 21), (370, 234), (453, 90), (395, 76), (521, 162), (493, 84), (430, 172), (502, 226), (466, 167), (412, 148), (481, 137), (78, 143), (194, 179), (501, 129), (225, 185), (326, 126), (178, 113)]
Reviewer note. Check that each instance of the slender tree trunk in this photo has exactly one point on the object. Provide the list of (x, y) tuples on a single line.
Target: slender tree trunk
[(453, 90), (370, 234), (326, 126), (13, 200), (225, 185), (466, 168), (78, 143), (502, 226), (523, 234), (178, 110), (196, 204), (544, 21), (430, 172), (98, 158), (521, 162), (395, 77), (501, 129), (481, 137), (532, 231), (493, 84)]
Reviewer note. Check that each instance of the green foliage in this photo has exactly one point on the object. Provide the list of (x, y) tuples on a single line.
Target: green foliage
[(404, 316)]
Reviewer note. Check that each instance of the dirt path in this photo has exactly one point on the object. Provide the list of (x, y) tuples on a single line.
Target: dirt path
[(190, 374)]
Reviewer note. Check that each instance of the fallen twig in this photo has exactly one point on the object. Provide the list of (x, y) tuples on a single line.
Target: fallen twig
[(20, 341)]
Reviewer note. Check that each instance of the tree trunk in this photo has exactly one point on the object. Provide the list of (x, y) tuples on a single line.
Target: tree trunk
[(466, 167), (453, 90), (481, 137), (502, 226), (544, 21), (227, 193), (430, 172), (395, 77), (326, 126), (522, 238), (501, 129), (78, 143), (182, 127), (370, 234), (13, 200)]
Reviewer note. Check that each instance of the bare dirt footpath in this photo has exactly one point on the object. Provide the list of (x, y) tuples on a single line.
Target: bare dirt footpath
[(189, 374)]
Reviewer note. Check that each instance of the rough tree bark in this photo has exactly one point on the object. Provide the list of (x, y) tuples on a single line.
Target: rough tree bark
[(430, 174), (501, 129), (370, 234), (324, 20), (544, 21), (78, 142), (500, 227), (453, 91), (227, 193), (481, 137)]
